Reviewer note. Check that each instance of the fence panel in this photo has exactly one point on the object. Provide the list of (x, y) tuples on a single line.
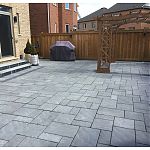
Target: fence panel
[(126, 45)]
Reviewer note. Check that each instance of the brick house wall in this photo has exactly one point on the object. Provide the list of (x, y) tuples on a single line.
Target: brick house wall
[(54, 18), (67, 16), (51, 17), (20, 39), (38, 18)]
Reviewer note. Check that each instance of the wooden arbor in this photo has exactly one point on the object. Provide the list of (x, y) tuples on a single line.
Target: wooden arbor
[(108, 24)]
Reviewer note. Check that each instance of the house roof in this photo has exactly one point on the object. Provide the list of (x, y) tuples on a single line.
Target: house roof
[(115, 8), (93, 15), (126, 6)]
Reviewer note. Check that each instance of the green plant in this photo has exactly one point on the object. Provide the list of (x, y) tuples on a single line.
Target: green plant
[(27, 48), (33, 50)]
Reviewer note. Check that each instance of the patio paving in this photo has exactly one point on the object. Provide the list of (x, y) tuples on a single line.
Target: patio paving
[(69, 104)]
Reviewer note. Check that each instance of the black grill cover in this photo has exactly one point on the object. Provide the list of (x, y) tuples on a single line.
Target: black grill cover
[(62, 50)]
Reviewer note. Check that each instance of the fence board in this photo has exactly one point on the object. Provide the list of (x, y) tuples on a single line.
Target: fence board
[(126, 45)]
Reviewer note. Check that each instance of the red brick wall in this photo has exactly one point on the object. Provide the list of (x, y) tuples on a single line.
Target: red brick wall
[(38, 18), (58, 14), (54, 18), (67, 16)]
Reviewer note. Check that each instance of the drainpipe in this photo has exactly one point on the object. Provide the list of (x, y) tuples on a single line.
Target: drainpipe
[(48, 19)]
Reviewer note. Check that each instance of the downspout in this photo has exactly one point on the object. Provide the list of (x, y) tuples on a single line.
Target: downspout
[(48, 17)]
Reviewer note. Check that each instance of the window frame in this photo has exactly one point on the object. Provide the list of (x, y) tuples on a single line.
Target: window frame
[(67, 8)]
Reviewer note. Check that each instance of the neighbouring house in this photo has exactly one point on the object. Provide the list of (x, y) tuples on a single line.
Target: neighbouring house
[(14, 30), (89, 23), (86, 23), (53, 17)]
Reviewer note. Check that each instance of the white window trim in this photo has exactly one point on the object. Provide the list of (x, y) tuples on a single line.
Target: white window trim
[(55, 27)]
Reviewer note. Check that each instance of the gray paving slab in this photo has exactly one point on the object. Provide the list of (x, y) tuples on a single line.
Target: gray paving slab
[(123, 137), (45, 118), (63, 109), (2, 142), (102, 124), (140, 125), (111, 112), (65, 142), (134, 115), (86, 115), (15, 141), (108, 103), (47, 106), (50, 137), (27, 100), (62, 129), (98, 116), (105, 137), (64, 118), (143, 137), (125, 123), (33, 142), (82, 123), (86, 137)]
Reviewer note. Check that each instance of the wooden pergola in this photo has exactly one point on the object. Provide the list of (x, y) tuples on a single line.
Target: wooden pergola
[(108, 24)]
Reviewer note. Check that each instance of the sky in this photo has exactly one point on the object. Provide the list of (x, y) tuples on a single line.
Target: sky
[(86, 7)]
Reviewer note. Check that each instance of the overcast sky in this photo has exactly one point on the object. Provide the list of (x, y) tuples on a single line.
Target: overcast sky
[(86, 7), (89, 6)]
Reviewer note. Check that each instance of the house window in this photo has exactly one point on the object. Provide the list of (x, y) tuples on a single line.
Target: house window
[(67, 28), (55, 28), (66, 5), (75, 7), (18, 23), (55, 4), (84, 26)]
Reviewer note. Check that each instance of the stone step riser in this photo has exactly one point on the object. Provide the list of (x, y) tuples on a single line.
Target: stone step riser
[(12, 65), (16, 69)]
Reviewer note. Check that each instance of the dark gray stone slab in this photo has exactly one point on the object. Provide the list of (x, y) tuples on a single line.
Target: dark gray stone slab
[(86, 137), (123, 137)]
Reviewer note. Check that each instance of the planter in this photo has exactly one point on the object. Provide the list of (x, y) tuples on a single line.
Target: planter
[(27, 57), (34, 60)]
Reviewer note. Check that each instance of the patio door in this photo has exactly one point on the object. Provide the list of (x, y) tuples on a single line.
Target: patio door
[(6, 38)]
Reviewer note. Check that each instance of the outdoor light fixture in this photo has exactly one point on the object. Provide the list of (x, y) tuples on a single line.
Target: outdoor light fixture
[(15, 19)]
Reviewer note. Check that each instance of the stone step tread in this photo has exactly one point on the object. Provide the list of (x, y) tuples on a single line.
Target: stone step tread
[(14, 69), (11, 64)]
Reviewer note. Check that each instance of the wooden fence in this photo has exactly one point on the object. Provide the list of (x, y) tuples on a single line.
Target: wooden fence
[(127, 45)]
